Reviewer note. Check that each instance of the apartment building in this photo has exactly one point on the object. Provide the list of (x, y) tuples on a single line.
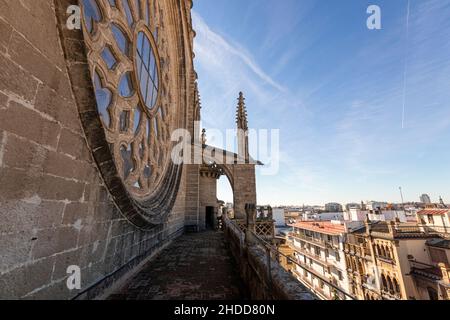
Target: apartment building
[(319, 251), (375, 260), (399, 261)]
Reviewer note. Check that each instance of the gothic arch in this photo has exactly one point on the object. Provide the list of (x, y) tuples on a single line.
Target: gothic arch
[(384, 281), (396, 285), (360, 267), (390, 284), (244, 188)]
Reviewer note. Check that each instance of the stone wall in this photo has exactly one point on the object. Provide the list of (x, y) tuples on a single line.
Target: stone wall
[(244, 188), (253, 265), (55, 210)]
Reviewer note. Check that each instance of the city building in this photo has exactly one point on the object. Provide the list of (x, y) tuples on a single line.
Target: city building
[(434, 220), (349, 206), (397, 261), (388, 258), (333, 207), (319, 252), (375, 215)]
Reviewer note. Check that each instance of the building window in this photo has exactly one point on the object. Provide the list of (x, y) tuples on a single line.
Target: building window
[(438, 255), (317, 251), (132, 100), (430, 219), (340, 275)]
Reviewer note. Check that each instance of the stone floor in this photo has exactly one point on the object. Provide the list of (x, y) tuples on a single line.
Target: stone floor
[(196, 266)]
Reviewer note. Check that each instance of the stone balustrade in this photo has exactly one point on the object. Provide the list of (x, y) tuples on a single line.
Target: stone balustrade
[(264, 277)]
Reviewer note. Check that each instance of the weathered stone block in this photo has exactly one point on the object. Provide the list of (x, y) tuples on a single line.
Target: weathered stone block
[(75, 211), (15, 80), (5, 31), (55, 188), (57, 107), (37, 21), (23, 280), (52, 241), (38, 65), (29, 124), (64, 166), (73, 144), (33, 213), (17, 184), (3, 100)]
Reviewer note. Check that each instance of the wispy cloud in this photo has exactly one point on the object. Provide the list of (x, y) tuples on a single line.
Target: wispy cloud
[(211, 42), (339, 103)]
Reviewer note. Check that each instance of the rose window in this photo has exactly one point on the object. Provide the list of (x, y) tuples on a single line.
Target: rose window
[(129, 62)]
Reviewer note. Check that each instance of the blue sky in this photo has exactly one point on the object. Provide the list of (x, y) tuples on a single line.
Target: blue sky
[(336, 91)]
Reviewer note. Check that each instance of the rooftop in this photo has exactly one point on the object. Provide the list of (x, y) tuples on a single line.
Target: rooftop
[(326, 227), (434, 211)]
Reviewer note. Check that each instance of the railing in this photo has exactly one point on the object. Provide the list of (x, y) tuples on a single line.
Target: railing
[(434, 229), (263, 227), (273, 252), (265, 279), (309, 239), (320, 242)]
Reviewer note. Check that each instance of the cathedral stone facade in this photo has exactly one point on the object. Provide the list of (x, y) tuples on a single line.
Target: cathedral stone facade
[(86, 116)]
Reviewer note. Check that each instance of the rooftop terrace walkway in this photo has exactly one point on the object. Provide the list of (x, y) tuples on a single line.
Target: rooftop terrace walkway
[(194, 267)]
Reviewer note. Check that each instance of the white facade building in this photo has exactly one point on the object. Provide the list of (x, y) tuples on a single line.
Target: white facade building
[(381, 215), (319, 250)]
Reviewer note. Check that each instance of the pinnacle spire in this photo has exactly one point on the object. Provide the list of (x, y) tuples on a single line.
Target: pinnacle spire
[(197, 102), (241, 113)]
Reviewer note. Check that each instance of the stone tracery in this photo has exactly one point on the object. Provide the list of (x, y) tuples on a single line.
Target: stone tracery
[(124, 43)]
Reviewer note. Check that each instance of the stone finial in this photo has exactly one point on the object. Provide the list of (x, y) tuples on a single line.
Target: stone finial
[(270, 212), (197, 103), (204, 136), (241, 113)]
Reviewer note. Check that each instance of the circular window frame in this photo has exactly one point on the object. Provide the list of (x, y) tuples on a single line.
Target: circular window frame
[(147, 213), (142, 27)]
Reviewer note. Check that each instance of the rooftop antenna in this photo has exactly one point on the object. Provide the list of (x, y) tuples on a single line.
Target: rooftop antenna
[(401, 195), (441, 201)]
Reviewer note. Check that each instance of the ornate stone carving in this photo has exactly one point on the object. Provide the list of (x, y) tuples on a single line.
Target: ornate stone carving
[(130, 47)]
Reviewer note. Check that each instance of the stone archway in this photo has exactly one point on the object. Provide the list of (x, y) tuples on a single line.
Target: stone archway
[(240, 174)]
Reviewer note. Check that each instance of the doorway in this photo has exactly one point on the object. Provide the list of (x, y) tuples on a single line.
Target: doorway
[(209, 219)]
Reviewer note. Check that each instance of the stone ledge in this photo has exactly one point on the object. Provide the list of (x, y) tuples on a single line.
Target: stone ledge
[(252, 262)]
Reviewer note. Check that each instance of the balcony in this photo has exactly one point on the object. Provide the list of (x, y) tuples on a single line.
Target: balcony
[(314, 241), (424, 270)]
